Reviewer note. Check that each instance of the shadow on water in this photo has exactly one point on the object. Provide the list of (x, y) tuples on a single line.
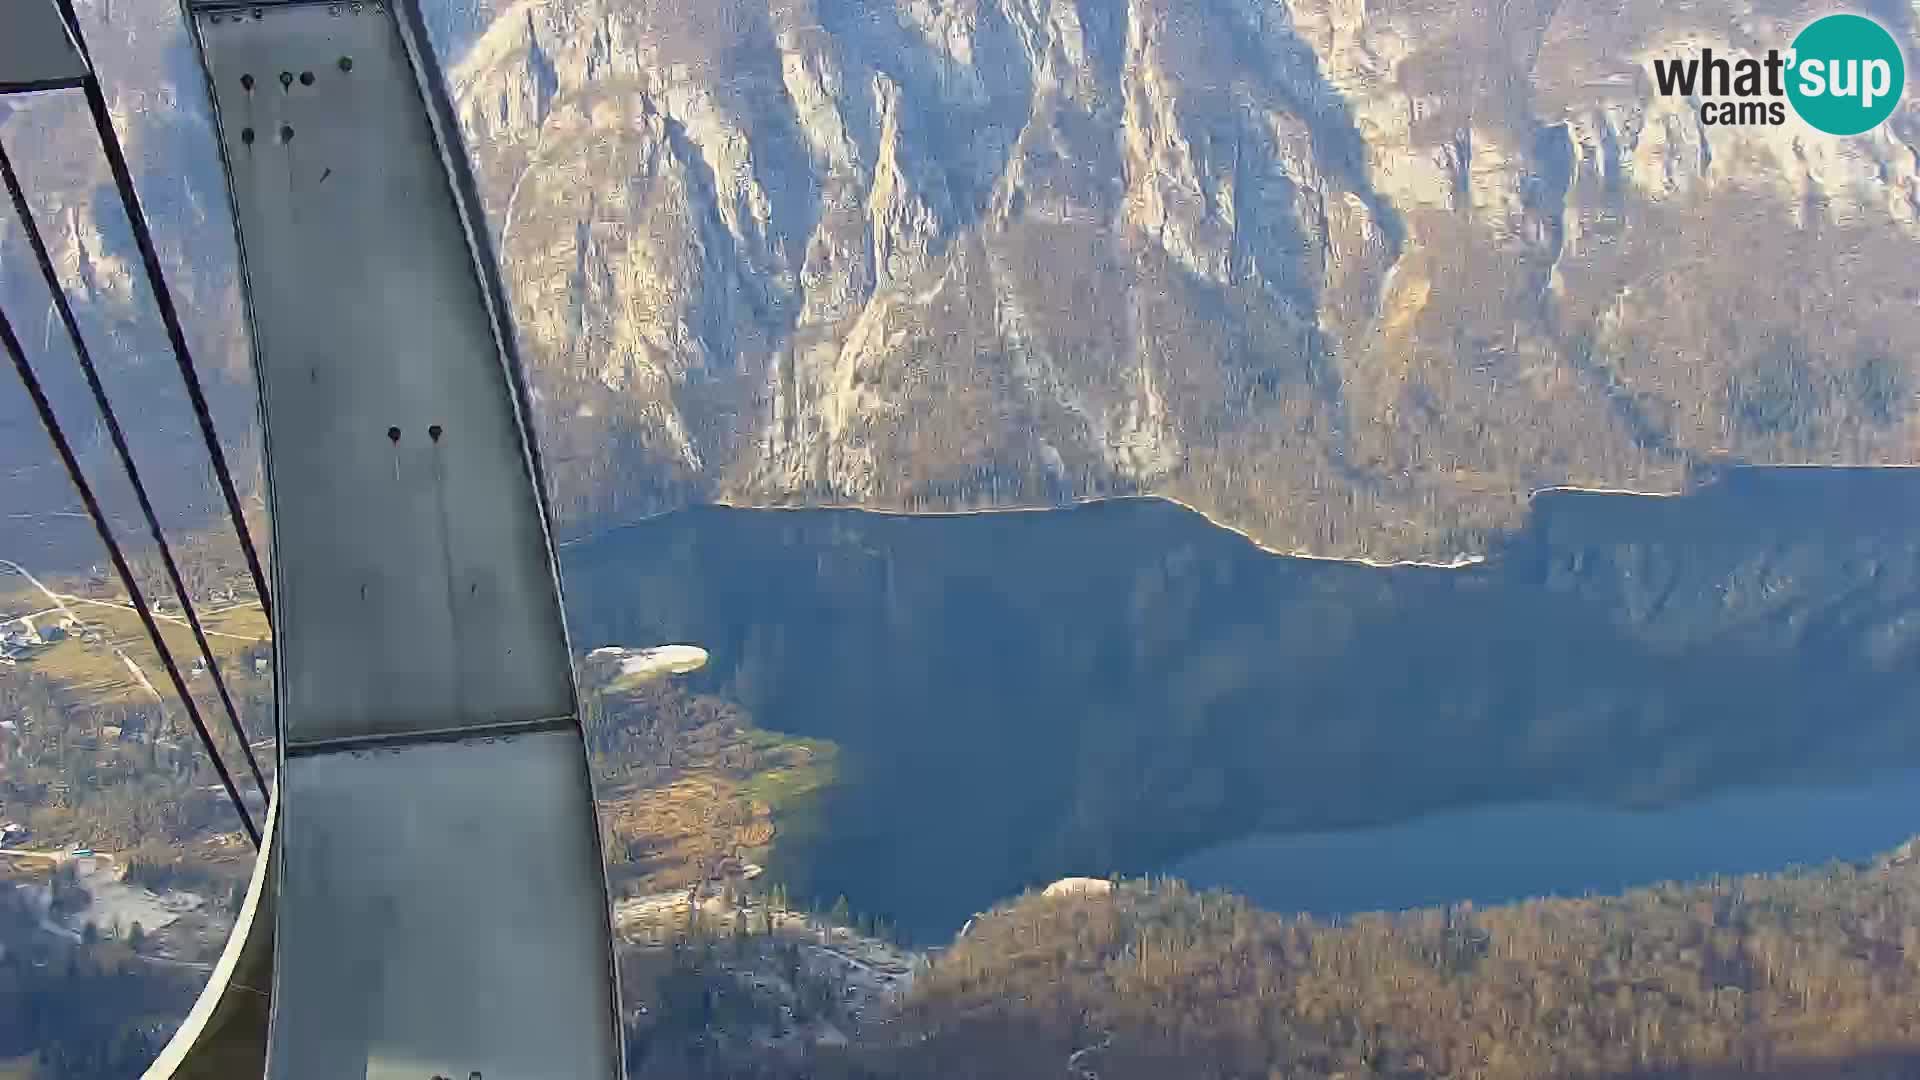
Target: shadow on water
[(1107, 689)]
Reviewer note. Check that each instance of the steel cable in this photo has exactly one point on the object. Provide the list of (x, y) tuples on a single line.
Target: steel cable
[(163, 300), (24, 213), (51, 422)]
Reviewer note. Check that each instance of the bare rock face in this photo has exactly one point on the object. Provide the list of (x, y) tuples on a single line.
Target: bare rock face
[(1353, 277)]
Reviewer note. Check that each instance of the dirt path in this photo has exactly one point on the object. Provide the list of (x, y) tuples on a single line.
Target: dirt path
[(60, 604), (61, 600)]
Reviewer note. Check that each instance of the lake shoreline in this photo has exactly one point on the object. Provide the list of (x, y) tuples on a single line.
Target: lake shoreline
[(1131, 686), (1461, 561)]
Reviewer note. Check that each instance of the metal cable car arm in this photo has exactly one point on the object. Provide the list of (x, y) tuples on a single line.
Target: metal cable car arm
[(437, 896)]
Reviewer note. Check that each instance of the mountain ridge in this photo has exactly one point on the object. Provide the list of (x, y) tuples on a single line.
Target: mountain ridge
[(1351, 278), (969, 255)]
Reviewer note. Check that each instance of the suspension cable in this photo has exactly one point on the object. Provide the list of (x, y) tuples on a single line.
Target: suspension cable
[(163, 299), (51, 422), (24, 212)]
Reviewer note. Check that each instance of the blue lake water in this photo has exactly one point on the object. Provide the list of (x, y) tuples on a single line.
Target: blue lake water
[(1492, 855), (1627, 690)]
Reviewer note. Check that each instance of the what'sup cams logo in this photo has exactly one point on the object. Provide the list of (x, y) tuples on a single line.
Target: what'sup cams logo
[(1843, 75)]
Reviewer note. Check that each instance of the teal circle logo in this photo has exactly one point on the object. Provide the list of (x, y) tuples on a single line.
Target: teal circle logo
[(1846, 74)]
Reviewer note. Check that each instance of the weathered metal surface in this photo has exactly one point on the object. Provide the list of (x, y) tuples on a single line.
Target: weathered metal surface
[(36, 52), (434, 918), (441, 903), (413, 585)]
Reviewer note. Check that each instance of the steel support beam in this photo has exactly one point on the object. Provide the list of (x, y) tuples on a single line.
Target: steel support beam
[(439, 896)]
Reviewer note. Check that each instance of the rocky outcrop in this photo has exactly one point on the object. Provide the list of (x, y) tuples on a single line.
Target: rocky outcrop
[(1352, 277), (1078, 886)]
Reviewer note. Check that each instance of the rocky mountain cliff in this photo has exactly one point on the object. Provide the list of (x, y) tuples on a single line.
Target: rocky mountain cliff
[(1354, 277)]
